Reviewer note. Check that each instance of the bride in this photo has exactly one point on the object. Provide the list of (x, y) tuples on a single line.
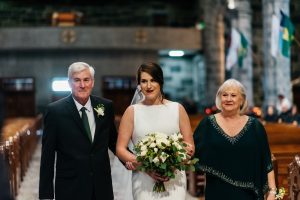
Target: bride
[(153, 114)]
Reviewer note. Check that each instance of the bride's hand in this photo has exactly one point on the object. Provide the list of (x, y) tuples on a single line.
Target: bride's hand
[(158, 177)]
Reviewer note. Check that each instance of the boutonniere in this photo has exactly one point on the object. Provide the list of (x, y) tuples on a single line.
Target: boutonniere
[(100, 110)]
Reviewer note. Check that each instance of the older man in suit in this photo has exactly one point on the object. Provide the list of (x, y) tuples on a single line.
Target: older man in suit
[(5, 193), (78, 130)]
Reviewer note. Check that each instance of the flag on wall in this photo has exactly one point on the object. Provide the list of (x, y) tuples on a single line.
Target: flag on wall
[(231, 57), (286, 34), (237, 49), (242, 51)]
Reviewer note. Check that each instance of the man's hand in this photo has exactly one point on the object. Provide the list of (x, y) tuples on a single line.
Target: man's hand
[(131, 165)]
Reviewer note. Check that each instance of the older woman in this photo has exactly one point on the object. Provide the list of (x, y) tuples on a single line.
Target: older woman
[(233, 150)]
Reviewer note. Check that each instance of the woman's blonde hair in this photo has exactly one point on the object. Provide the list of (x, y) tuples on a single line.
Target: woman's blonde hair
[(235, 84)]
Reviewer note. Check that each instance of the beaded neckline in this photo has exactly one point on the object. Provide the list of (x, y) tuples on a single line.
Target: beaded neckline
[(231, 139)]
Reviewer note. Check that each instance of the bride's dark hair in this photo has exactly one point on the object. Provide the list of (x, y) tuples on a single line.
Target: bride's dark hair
[(155, 71)]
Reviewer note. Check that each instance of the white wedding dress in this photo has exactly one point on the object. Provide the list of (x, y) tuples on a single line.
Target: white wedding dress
[(156, 118)]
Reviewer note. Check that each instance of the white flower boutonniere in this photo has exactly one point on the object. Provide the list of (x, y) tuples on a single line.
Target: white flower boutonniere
[(100, 110)]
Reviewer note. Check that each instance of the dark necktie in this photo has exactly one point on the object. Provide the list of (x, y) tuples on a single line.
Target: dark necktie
[(86, 123)]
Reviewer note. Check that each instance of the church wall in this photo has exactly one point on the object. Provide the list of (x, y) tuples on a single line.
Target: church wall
[(44, 66), (42, 54)]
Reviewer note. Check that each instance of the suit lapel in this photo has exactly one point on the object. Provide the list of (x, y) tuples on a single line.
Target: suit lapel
[(75, 114)]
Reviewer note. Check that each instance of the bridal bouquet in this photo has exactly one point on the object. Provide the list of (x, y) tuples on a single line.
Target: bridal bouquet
[(163, 154)]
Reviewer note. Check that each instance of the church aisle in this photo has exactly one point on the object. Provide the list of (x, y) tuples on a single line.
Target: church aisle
[(29, 186)]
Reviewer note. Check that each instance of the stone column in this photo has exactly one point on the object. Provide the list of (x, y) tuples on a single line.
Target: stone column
[(277, 70), (199, 83), (243, 23), (213, 47)]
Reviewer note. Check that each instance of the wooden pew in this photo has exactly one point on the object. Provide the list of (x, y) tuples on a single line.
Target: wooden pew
[(194, 120), (18, 145), (294, 179), (195, 183), (284, 140), (12, 154)]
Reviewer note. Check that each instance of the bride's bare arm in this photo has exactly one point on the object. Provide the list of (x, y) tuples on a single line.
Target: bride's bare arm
[(124, 136), (186, 130)]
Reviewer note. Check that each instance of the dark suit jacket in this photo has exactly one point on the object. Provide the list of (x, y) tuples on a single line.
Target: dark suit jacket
[(2, 111), (4, 180), (81, 166)]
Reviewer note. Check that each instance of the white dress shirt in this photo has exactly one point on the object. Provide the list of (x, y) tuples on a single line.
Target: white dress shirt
[(89, 113)]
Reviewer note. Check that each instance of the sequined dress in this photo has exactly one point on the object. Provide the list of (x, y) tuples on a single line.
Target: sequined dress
[(236, 167)]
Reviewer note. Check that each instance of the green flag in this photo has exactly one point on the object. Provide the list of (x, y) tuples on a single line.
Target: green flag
[(286, 35), (242, 51), (238, 49)]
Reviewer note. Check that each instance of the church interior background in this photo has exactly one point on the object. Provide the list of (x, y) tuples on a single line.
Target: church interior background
[(40, 39)]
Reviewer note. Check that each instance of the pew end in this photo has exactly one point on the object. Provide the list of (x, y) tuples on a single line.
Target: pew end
[(284, 141), (294, 179), (21, 136)]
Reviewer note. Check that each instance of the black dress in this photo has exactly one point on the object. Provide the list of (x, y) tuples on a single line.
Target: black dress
[(236, 167)]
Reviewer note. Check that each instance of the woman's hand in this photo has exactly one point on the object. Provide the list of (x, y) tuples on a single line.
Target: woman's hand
[(190, 149), (158, 177), (271, 196)]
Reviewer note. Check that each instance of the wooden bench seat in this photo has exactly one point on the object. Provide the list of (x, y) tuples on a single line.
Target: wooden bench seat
[(18, 124), (194, 120), (285, 149), (20, 136), (284, 141)]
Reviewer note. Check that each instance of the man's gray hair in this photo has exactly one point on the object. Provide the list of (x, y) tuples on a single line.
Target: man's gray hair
[(233, 84), (78, 67)]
